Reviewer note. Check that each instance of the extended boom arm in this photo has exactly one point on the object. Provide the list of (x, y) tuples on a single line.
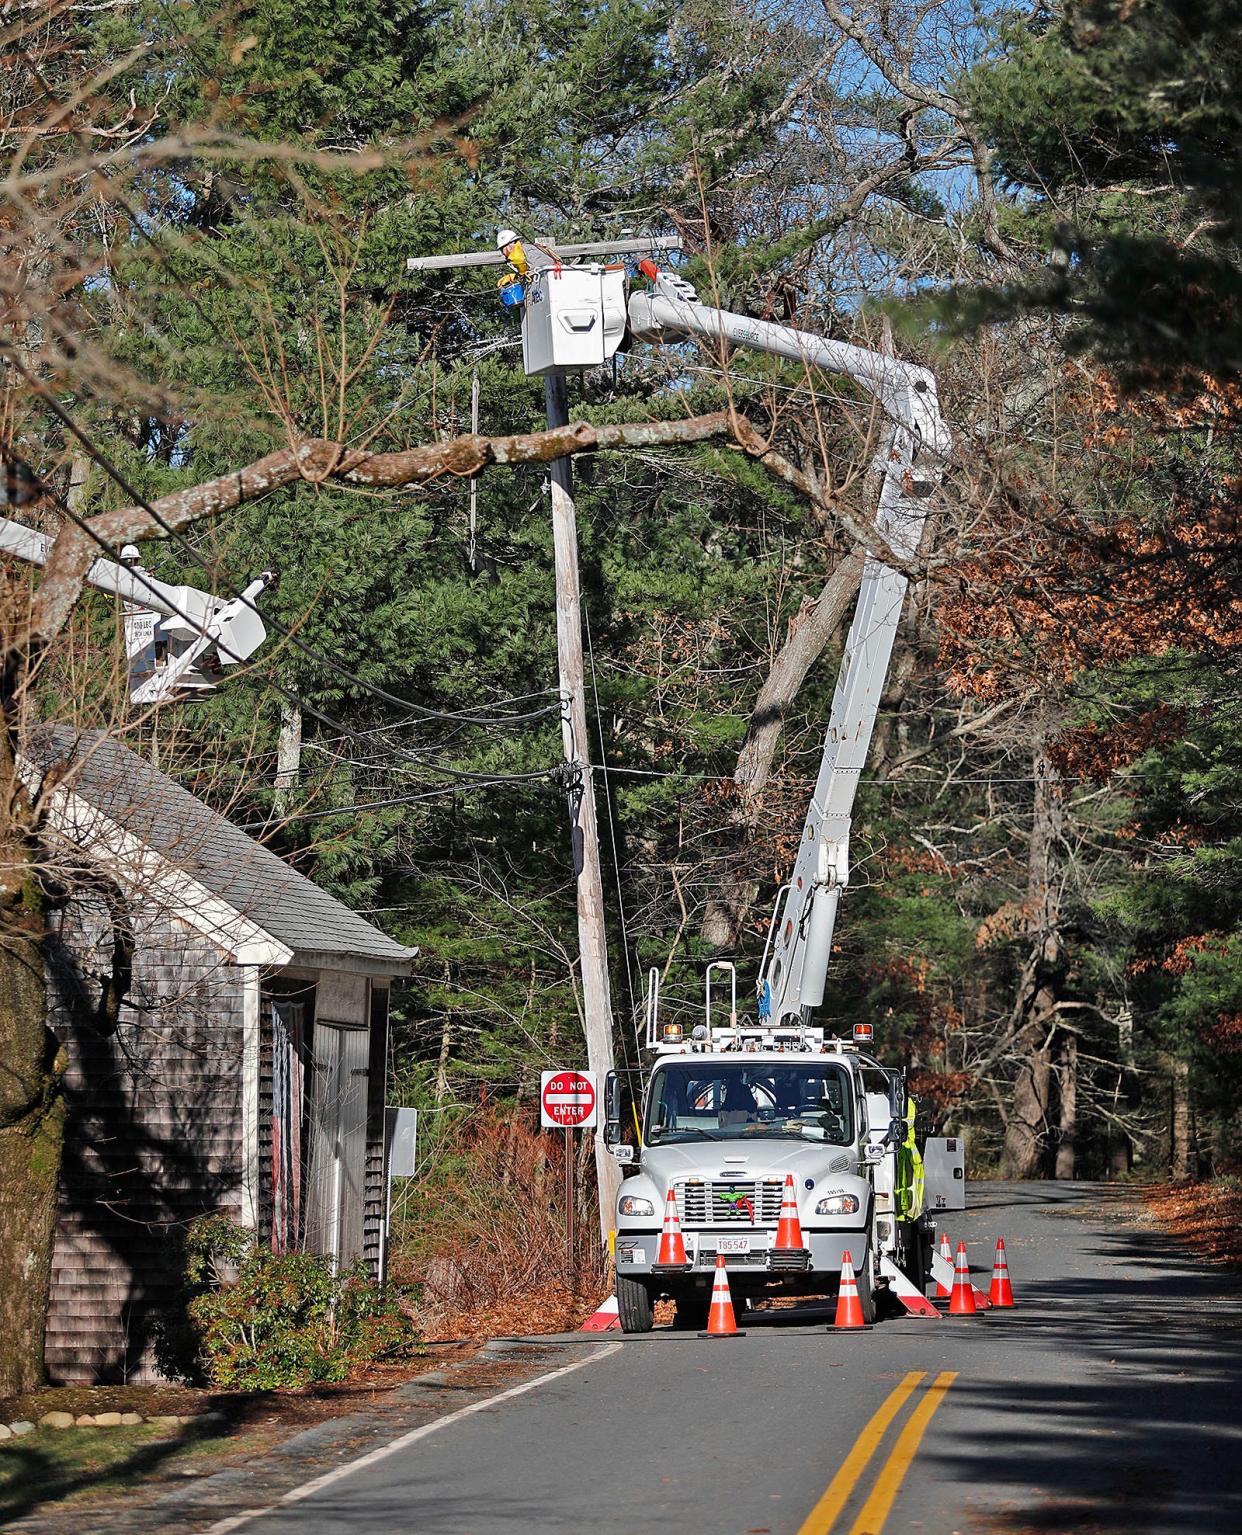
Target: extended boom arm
[(799, 945), (176, 637)]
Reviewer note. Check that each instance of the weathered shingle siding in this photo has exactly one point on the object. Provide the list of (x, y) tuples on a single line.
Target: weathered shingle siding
[(376, 1172), (153, 1135)]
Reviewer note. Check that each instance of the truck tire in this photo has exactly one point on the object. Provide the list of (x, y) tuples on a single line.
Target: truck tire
[(634, 1304), (866, 1292)]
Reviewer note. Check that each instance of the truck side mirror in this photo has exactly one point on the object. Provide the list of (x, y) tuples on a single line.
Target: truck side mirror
[(623, 1155), (612, 1109)]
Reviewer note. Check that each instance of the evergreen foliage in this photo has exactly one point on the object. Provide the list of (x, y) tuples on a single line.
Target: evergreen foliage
[(1117, 127)]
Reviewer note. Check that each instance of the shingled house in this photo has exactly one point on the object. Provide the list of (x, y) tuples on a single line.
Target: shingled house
[(226, 1023)]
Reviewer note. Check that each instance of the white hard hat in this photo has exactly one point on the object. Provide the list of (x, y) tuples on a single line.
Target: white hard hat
[(130, 554), (506, 237)]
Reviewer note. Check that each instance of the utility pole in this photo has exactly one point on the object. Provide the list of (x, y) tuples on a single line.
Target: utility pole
[(584, 830), (579, 784)]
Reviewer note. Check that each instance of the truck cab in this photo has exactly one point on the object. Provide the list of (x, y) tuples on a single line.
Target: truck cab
[(727, 1117)]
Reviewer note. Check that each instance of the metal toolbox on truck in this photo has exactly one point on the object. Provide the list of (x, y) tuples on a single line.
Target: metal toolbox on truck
[(574, 317), (944, 1173)]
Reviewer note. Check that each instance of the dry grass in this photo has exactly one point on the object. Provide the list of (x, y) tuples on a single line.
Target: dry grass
[(484, 1245), (1206, 1216)]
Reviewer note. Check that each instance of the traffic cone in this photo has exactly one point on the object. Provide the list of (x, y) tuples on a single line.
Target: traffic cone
[(671, 1252), (605, 1319), (1001, 1293), (720, 1321), (962, 1301), (789, 1227), (946, 1252), (849, 1307)]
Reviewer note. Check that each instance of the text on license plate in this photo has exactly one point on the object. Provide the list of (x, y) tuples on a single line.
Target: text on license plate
[(732, 1244)]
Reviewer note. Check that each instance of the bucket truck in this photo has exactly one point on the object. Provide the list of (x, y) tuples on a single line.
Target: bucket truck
[(732, 1110), (178, 640)]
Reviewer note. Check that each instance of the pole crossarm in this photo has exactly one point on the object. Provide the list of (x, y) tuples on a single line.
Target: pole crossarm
[(630, 247)]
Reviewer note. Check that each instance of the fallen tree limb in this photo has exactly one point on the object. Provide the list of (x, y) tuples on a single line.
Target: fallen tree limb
[(319, 461)]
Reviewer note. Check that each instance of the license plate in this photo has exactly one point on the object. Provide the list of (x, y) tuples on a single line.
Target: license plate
[(732, 1244)]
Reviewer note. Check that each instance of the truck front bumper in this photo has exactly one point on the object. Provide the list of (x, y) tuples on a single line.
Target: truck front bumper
[(636, 1252)]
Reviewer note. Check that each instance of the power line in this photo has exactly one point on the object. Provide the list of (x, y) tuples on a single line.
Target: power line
[(110, 469), (909, 783), (384, 804), (612, 835)]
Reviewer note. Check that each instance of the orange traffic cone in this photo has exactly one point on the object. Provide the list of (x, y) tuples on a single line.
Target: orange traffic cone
[(849, 1307), (1001, 1293), (962, 1301), (672, 1250), (720, 1321), (946, 1252), (789, 1227)]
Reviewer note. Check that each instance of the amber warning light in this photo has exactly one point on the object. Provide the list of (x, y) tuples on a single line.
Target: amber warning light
[(864, 1033)]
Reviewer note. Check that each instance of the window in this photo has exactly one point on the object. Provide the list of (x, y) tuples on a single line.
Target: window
[(725, 1101)]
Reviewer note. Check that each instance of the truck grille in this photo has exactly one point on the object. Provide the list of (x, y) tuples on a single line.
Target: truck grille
[(722, 1203)]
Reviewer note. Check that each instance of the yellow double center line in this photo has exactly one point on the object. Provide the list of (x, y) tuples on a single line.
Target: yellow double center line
[(876, 1509)]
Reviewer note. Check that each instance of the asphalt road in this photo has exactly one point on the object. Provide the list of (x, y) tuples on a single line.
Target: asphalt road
[(1109, 1401)]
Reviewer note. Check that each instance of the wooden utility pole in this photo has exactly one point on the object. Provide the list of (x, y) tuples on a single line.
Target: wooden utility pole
[(592, 940), (592, 944)]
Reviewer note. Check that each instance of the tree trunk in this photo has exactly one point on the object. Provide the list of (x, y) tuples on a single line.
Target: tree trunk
[(1026, 1133), (728, 909), (31, 1104), (288, 756), (1067, 1078), (1179, 1159)]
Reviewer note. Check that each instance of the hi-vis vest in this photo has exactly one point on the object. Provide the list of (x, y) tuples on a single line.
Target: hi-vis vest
[(910, 1188)]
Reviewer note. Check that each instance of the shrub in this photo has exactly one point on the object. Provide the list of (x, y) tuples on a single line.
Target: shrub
[(264, 1320)]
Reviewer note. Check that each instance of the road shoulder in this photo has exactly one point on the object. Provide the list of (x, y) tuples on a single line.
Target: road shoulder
[(206, 1497)]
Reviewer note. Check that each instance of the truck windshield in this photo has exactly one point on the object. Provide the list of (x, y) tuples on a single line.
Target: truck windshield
[(728, 1101)]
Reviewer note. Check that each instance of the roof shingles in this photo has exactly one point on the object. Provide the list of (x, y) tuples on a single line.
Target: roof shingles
[(222, 858)]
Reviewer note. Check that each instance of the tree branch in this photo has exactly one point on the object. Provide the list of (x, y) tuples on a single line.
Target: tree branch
[(318, 461)]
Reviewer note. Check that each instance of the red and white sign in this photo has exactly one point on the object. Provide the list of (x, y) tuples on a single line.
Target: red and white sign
[(568, 1100)]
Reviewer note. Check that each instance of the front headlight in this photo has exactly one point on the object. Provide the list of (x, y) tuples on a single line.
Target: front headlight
[(838, 1204), (631, 1204)]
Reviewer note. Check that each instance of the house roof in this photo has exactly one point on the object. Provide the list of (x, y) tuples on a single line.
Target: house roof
[(202, 844)]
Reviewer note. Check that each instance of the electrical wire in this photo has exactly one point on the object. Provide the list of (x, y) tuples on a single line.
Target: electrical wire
[(463, 776), (384, 804), (612, 837), (105, 463)]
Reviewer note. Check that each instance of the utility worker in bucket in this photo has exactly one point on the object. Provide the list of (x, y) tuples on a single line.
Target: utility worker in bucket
[(524, 261)]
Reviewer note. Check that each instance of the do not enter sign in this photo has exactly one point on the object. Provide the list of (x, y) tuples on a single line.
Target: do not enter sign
[(568, 1101)]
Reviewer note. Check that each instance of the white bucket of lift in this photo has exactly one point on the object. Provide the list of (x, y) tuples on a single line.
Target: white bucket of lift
[(574, 317)]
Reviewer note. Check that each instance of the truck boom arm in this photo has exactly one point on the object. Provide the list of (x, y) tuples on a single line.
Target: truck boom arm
[(131, 585), (911, 464), (202, 632)]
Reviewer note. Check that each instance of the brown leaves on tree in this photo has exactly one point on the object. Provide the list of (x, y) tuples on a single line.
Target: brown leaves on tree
[(1062, 583), (1089, 751)]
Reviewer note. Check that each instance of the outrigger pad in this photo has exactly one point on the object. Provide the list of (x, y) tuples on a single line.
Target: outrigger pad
[(906, 1292)]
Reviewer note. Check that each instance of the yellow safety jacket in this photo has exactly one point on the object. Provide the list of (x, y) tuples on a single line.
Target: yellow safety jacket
[(910, 1186)]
